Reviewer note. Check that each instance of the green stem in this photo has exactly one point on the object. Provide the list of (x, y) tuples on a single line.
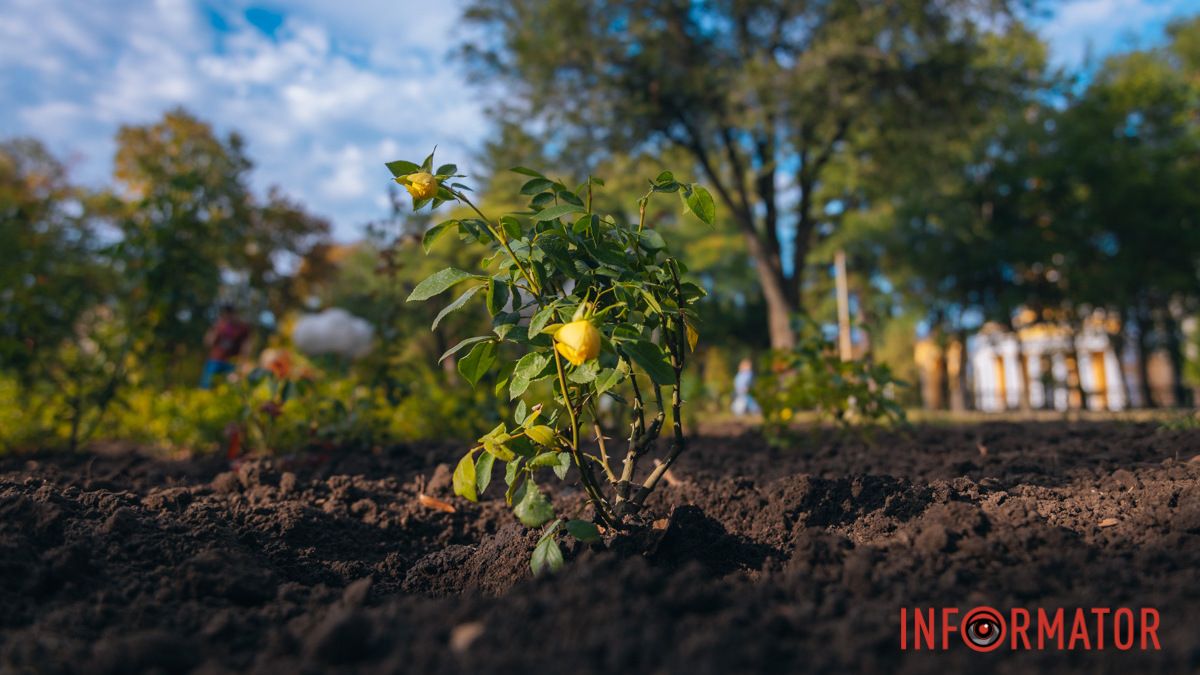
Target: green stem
[(585, 471), (498, 233)]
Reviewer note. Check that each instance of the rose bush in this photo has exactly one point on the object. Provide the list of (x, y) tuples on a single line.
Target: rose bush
[(594, 306)]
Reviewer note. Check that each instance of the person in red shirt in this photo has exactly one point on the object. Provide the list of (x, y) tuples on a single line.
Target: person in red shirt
[(225, 341)]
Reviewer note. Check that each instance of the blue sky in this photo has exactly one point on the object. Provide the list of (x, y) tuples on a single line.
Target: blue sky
[(325, 92)]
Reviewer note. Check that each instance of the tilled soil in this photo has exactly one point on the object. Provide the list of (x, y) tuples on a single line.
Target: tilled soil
[(771, 560)]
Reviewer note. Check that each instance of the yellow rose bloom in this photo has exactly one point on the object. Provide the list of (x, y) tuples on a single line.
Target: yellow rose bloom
[(578, 341), (421, 185)]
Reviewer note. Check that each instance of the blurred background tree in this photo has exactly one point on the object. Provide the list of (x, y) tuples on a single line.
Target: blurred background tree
[(763, 96)]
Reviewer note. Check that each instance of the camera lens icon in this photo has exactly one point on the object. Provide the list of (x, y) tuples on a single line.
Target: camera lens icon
[(983, 629)]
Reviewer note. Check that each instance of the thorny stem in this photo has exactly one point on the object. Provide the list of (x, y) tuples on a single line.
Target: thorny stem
[(612, 478), (498, 233), (637, 429), (585, 470), (638, 442), (678, 443)]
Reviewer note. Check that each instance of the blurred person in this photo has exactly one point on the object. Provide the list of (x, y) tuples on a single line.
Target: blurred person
[(743, 402), (226, 341)]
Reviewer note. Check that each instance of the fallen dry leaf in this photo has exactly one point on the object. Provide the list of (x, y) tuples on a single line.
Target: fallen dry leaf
[(462, 635), (660, 524), (1195, 459), (982, 449), (1109, 522), (432, 503)]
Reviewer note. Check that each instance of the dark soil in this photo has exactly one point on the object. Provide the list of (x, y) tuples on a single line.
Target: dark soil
[(793, 560)]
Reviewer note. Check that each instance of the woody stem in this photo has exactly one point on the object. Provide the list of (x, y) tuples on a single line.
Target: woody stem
[(585, 470)]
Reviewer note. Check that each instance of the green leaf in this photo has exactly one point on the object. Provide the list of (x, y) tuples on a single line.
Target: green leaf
[(456, 305), (542, 317), (609, 378), (526, 172), (651, 300), (477, 362), (541, 434), (483, 471), (497, 296), (544, 460), (559, 211), (526, 370), (701, 203), (585, 373), (652, 360), (536, 185), (497, 447), (462, 345), (511, 471), (511, 226), (652, 241), (446, 170), (495, 442), (464, 478), (402, 168), (438, 282), (584, 223), (532, 508), (427, 165), (563, 466), (583, 531), (434, 233), (570, 198), (546, 555)]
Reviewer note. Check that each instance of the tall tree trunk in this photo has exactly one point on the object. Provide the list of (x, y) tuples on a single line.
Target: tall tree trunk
[(1175, 352), (779, 308), (1143, 355), (1118, 341), (956, 362), (1075, 379)]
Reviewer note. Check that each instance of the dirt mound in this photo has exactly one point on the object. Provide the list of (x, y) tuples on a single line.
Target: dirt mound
[(766, 560)]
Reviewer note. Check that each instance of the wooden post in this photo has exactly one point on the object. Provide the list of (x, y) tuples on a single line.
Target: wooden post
[(845, 345)]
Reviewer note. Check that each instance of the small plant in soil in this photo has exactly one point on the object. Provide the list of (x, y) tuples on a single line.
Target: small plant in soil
[(592, 306), (850, 394)]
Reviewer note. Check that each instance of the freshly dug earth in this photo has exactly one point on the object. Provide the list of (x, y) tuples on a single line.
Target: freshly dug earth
[(771, 560)]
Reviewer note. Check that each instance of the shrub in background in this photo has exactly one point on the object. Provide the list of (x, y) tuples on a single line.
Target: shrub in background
[(812, 377)]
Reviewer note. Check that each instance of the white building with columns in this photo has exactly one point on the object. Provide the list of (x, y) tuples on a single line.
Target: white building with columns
[(1042, 358)]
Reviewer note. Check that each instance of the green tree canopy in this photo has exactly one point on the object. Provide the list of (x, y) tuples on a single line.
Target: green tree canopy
[(764, 96)]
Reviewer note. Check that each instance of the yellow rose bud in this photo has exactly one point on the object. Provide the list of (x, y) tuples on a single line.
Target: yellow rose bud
[(578, 341), (422, 185)]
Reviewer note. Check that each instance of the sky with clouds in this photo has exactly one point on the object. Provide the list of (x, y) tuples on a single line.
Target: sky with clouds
[(323, 91)]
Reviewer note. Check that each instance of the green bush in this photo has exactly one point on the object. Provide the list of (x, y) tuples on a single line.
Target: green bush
[(812, 377)]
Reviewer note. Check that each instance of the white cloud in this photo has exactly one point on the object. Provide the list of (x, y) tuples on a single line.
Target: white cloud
[(1080, 29), (323, 102), (336, 90)]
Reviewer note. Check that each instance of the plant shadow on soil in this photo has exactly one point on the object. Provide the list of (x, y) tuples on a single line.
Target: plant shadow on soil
[(793, 560)]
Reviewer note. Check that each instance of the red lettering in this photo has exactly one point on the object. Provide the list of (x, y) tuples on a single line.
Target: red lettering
[(1127, 643), (1079, 631), (1150, 627), (1100, 613), (1049, 629), (948, 625), (903, 629), (1019, 621), (922, 629)]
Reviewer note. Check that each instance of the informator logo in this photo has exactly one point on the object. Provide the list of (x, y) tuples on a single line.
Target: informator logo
[(986, 629)]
